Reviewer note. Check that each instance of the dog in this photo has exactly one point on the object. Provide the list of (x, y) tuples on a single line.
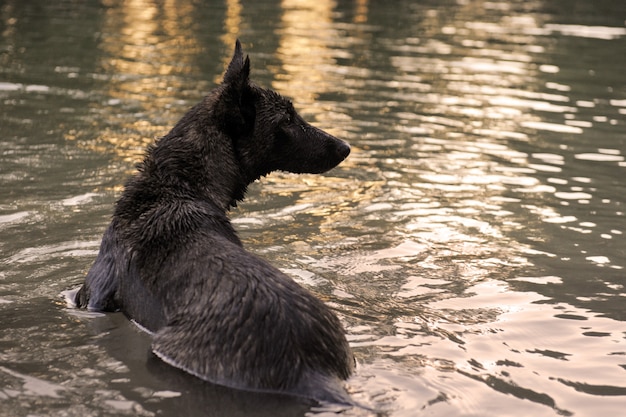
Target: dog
[(172, 262)]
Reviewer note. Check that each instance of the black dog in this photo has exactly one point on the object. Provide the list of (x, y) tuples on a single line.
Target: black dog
[(172, 262)]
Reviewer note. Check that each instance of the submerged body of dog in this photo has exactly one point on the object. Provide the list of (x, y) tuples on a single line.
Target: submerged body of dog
[(171, 260)]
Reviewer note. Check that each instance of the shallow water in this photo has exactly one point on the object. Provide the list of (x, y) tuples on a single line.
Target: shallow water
[(473, 243)]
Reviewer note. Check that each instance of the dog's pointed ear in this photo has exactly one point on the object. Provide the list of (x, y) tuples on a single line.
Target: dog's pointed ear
[(238, 71), (234, 108)]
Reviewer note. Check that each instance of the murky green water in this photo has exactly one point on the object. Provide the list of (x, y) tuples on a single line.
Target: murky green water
[(473, 243)]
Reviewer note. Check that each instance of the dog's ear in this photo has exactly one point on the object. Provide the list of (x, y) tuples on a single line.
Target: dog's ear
[(238, 72), (235, 107)]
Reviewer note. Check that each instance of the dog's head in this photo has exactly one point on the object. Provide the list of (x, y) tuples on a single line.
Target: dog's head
[(267, 132)]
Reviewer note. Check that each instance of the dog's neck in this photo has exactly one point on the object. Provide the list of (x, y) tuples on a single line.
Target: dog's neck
[(210, 174)]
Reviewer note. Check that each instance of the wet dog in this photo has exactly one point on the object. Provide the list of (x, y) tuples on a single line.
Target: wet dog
[(172, 262)]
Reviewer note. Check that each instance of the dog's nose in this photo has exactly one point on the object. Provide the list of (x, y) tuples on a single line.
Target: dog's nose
[(343, 150)]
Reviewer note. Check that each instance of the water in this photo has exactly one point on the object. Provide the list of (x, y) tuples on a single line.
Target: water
[(473, 243)]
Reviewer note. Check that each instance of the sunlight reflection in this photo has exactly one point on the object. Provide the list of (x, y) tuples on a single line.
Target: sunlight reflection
[(232, 29), (151, 41), (361, 9), (304, 51)]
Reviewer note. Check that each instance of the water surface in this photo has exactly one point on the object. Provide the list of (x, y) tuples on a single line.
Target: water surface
[(472, 244)]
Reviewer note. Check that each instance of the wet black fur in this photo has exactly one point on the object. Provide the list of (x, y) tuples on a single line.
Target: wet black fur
[(171, 260)]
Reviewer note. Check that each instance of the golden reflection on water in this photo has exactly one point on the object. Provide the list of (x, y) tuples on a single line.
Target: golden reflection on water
[(361, 10), (305, 34), (145, 46), (232, 28)]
